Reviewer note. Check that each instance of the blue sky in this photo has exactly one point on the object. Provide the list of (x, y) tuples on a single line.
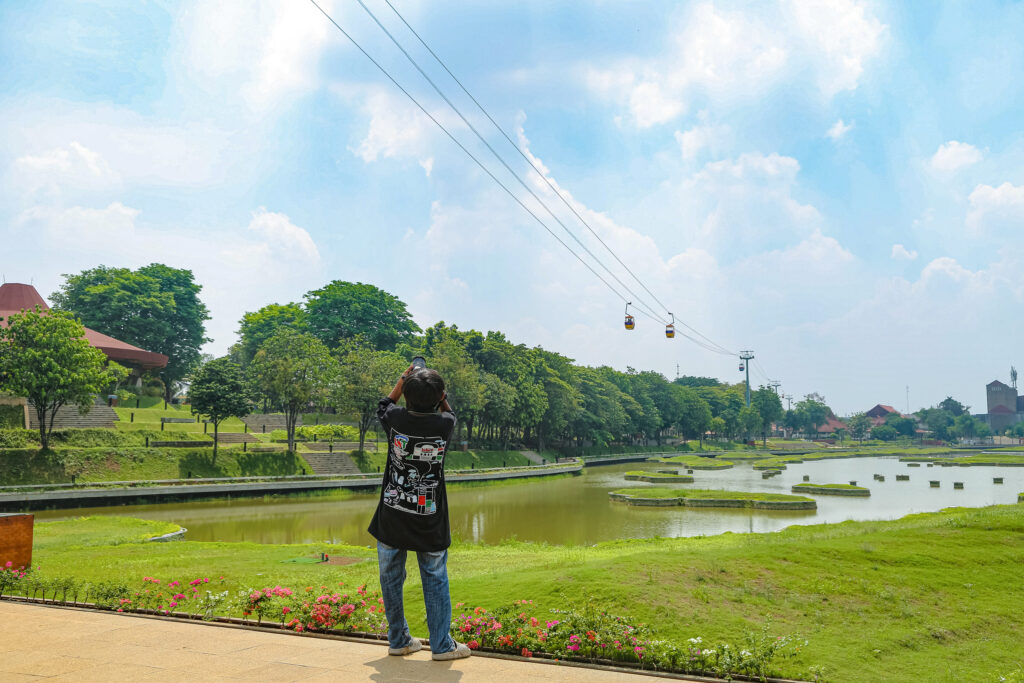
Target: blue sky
[(837, 185)]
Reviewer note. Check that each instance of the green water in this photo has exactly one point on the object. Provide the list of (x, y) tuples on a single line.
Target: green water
[(577, 510)]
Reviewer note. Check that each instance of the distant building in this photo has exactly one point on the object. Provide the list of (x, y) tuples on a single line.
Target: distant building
[(1005, 407), (16, 298), (880, 412)]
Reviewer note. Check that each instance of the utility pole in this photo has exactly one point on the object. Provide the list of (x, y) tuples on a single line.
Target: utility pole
[(677, 370), (788, 398), (747, 356)]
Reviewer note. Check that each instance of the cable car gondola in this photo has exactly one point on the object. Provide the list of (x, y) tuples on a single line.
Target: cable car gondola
[(630, 322), (741, 366), (670, 329)]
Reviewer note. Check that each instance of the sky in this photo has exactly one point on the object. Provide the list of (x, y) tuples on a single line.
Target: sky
[(835, 185)]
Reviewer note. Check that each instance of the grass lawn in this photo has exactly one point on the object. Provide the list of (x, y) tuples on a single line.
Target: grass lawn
[(697, 462), (25, 466), (931, 597)]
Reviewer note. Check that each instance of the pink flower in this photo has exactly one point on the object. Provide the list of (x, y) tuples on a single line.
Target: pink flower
[(9, 564), (573, 646), (472, 645), (285, 610)]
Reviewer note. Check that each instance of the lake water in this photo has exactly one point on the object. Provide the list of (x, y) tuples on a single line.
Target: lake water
[(577, 510)]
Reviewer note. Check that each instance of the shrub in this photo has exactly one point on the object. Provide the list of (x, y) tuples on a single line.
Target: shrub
[(18, 438), (12, 417)]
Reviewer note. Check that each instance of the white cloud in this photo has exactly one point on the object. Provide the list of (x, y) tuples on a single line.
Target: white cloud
[(72, 165), (427, 165), (269, 51), (396, 127), (78, 225), (697, 139), (954, 155), (283, 237), (839, 129), (996, 208), (901, 253), (736, 55), (650, 104), (841, 35)]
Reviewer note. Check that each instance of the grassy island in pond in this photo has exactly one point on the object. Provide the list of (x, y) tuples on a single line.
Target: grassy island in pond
[(640, 475), (668, 497), (1009, 459), (696, 462), (831, 489)]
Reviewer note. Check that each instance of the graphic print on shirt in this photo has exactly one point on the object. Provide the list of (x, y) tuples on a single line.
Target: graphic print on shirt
[(415, 473)]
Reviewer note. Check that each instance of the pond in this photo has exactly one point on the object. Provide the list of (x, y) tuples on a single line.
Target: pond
[(577, 510)]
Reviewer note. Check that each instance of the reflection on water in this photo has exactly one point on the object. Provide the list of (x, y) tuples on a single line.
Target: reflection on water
[(577, 510)]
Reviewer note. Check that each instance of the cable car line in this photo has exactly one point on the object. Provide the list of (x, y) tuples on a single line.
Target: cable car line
[(718, 347), (523, 154), (707, 344), (468, 153), (501, 159)]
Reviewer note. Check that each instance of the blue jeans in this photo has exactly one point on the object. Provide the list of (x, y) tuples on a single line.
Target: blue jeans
[(434, 577)]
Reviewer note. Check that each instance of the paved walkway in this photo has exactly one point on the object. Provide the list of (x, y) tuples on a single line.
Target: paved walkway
[(82, 645)]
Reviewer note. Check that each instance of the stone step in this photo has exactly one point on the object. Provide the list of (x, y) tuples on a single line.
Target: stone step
[(100, 415), (334, 463), (234, 437)]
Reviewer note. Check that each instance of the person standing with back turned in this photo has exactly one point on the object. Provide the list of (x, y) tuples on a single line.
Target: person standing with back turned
[(412, 513)]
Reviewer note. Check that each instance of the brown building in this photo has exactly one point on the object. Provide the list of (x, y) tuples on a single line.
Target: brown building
[(1002, 404), (16, 297)]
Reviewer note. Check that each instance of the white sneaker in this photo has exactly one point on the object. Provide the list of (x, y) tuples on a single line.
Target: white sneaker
[(460, 652), (414, 646)]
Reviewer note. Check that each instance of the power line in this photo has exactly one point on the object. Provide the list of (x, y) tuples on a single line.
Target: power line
[(522, 154), (714, 346), (497, 156), (468, 153)]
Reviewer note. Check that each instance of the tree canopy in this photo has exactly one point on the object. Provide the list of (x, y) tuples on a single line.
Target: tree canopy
[(156, 308), (45, 357), (344, 310), (219, 391)]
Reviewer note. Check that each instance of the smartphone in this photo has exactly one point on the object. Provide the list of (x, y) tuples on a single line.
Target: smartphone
[(419, 362)]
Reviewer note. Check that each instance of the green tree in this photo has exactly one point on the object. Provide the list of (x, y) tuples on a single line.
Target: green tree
[(45, 358), (694, 415), (859, 425), (258, 326), (156, 308), (965, 426), (750, 421), (953, 407), (366, 376), (219, 391), (904, 426), (769, 406), (344, 310), (294, 369), (463, 380), (812, 412), (717, 426), (884, 433)]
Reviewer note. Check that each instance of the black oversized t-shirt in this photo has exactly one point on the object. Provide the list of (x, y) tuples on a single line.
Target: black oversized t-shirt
[(413, 510)]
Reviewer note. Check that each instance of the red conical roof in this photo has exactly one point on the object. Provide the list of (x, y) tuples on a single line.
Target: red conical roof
[(15, 296)]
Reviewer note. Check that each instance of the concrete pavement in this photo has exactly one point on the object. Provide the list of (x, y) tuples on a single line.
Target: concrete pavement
[(38, 641)]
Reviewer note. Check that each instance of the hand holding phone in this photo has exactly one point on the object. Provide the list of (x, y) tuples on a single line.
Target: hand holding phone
[(419, 362)]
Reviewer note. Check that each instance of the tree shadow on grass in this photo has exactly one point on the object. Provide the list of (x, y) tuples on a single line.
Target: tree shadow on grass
[(239, 464)]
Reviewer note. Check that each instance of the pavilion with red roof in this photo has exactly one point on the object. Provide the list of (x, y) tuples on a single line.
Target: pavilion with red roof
[(16, 298)]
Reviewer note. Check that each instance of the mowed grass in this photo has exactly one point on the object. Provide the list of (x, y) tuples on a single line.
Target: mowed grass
[(149, 418), (30, 466), (696, 462), (931, 597)]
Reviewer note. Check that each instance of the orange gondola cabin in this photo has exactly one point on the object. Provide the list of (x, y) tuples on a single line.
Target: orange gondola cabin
[(630, 321), (670, 329)]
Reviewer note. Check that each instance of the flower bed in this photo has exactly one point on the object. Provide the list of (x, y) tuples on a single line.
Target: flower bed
[(580, 634)]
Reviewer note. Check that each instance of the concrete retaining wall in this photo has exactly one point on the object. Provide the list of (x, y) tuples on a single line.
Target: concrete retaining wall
[(831, 492), (716, 503), (149, 494)]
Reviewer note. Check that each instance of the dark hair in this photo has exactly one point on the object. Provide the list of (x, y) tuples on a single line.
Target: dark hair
[(423, 390)]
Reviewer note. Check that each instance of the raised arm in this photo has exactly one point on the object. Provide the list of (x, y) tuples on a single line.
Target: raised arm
[(396, 393)]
